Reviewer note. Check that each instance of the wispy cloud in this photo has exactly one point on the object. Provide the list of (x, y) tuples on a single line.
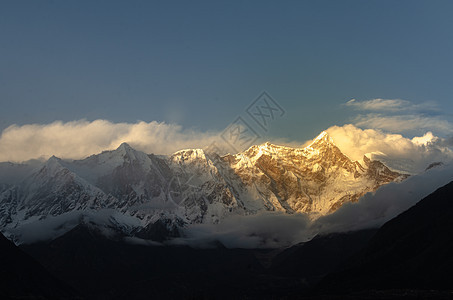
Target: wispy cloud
[(393, 105), (379, 104), (404, 123), (400, 116)]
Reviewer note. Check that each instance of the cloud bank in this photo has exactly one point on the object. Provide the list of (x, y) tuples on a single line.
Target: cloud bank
[(396, 151), (263, 230), (79, 139)]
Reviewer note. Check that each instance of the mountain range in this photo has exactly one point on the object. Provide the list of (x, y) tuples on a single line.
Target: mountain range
[(151, 196)]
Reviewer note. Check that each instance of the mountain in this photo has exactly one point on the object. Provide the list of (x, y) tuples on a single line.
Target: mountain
[(21, 277), (316, 179), (128, 191), (412, 251), (313, 260), (146, 271), (104, 269)]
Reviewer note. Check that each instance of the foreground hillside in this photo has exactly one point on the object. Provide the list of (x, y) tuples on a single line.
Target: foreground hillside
[(412, 251)]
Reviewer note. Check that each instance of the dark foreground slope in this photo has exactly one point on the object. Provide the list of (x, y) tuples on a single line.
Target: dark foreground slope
[(21, 277), (412, 251), (101, 268), (313, 260)]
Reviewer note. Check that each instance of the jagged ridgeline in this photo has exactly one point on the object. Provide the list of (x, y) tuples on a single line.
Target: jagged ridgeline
[(135, 193)]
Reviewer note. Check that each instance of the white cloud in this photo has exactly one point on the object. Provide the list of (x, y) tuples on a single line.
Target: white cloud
[(379, 104), (79, 139), (392, 105), (404, 123), (427, 139), (263, 230), (396, 151)]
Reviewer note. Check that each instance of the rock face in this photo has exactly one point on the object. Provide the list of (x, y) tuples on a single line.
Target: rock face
[(135, 189), (316, 179)]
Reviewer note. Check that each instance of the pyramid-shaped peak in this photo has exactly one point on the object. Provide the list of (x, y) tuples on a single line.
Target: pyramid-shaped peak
[(323, 136), (322, 139), (127, 151), (53, 164), (53, 160), (124, 151), (124, 146)]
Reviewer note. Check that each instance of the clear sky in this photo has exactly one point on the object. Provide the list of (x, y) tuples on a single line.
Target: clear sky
[(201, 63)]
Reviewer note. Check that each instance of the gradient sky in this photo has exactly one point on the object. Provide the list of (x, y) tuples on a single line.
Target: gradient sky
[(201, 63)]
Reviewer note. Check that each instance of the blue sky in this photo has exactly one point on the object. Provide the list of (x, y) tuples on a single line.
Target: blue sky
[(199, 64)]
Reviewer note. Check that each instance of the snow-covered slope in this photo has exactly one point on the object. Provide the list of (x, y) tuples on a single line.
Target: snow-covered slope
[(316, 179), (188, 187)]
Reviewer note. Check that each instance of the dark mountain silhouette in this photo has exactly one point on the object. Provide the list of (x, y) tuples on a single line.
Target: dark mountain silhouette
[(313, 260), (21, 277), (412, 251), (103, 268)]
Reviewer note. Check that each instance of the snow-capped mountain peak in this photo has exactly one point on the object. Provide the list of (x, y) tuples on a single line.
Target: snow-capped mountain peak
[(129, 154), (322, 140), (125, 148), (52, 166)]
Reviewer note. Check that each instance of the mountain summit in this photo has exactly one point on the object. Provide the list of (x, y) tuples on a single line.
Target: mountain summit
[(322, 139)]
